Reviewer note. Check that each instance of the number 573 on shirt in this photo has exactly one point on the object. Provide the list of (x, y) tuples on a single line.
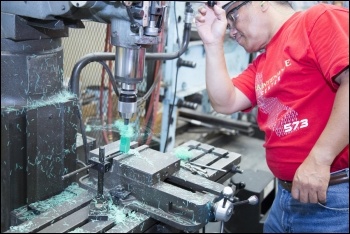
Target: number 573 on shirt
[(289, 127)]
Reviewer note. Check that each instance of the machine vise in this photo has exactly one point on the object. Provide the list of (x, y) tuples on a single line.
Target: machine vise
[(148, 188)]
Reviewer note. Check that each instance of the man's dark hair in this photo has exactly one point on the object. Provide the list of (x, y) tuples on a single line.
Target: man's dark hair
[(285, 3)]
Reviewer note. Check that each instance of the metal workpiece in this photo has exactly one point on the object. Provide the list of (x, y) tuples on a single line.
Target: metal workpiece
[(145, 175), (111, 150), (155, 184), (149, 168)]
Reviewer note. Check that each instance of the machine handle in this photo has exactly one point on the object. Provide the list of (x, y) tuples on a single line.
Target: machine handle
[(252, 200), (185, 63), (186, 104), (211, 3)]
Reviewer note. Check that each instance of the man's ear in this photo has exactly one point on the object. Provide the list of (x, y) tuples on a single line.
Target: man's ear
[(264, 5)]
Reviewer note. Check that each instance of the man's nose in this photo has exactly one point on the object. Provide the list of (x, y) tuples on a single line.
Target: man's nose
[(233, 31)]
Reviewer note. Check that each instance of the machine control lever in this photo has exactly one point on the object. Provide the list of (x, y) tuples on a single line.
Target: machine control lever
[(235, 169), (99, 205), (185, 63), (211, 3), (223, 211), (227, 193), (252, 200), (239, 186), (100, 173), (134, 26), (186, 104), (95, 165)]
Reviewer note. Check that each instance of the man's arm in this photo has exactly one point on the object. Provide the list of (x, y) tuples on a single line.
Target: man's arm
[(225, 98), (312, 177)]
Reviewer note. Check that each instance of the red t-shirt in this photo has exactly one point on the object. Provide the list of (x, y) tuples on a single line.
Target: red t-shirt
[(292, 85)]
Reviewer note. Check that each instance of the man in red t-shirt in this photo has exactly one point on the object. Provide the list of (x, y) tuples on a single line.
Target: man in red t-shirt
[(300, 84)]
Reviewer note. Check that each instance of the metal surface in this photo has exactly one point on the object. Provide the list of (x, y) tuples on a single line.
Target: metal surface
[(47, 217), (39, 119), (29, 70), (243, 127), (214, 157), (40, 10), (17, 28), (12, 181), (72, 215), (156, 184), (129, 65), (47, 161), (145, 186)]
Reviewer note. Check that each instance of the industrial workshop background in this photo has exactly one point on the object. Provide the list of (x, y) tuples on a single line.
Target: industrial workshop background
[(99, 105)]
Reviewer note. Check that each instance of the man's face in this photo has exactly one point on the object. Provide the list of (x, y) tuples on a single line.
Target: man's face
[(245, 21), (233, 14)]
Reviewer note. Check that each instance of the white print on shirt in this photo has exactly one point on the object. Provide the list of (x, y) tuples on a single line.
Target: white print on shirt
[(264, 87), (282, 119), (272, 81), (295, 125)]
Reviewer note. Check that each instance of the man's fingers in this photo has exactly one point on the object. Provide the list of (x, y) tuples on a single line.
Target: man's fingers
[(200, 19), (200, 15), (313, 197), (309, 195), (219, 12), (303, 196), (322, 197), (202, 10), (295, 193)]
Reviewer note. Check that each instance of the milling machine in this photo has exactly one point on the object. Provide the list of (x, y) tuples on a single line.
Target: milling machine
[(40, 119)]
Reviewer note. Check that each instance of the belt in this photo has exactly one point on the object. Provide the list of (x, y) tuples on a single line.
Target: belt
[(337, 177)]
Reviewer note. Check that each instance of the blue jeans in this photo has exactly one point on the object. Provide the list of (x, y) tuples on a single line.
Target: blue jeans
[(290, 215)]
